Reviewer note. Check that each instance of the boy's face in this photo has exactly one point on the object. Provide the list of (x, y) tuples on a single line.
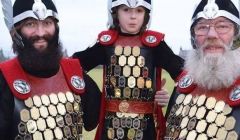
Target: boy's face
[(130, 19)]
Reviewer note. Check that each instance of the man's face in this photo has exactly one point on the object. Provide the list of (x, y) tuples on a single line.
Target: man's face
[(213, 64), (41, 51), (38, 33), (214, 37)]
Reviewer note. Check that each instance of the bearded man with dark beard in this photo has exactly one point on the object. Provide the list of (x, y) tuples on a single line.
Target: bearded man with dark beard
[(42, 94), (42, 62), (205, 104)]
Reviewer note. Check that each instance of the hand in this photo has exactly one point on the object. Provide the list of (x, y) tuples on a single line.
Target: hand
[(162, 97)]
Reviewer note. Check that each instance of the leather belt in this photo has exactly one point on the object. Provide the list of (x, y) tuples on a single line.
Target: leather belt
[(124, 106)]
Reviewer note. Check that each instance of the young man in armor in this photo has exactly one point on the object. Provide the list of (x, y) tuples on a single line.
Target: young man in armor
[(132, 57)]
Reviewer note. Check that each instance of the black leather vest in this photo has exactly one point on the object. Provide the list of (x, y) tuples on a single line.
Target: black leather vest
[(130, 76), (130, 69)]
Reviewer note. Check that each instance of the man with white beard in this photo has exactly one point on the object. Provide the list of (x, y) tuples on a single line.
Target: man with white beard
[(205, 104)]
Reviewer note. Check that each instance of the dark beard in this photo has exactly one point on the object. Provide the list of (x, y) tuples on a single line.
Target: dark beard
[(40, 63)]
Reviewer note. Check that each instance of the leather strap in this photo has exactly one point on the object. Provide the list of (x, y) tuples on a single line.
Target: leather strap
[(129, 106)]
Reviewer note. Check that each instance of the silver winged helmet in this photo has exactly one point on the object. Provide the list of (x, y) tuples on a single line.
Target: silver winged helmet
[(130, 3), (8, 13), (17, 12)]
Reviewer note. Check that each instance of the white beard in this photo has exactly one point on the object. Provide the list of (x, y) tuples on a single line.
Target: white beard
[(214, 71)]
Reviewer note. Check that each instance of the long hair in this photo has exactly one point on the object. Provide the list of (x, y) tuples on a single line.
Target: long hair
[(39, 63), (16, 30)]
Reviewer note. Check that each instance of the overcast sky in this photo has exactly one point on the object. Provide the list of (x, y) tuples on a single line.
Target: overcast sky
[(82, 20)]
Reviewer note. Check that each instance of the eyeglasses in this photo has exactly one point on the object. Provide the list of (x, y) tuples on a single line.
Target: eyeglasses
[(221, 27)]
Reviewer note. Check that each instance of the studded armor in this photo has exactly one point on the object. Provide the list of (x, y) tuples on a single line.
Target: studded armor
[(45, 108), (130, 63), (198, 114)]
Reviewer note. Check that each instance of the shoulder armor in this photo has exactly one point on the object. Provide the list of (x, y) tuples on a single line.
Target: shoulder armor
[(151, 38), (73, 74), (20, 86), (234, 96), (108, 37), (185, 83), (16, 78)]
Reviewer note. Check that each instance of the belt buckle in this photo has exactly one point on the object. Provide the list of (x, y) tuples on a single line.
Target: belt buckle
[(123, 106)]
